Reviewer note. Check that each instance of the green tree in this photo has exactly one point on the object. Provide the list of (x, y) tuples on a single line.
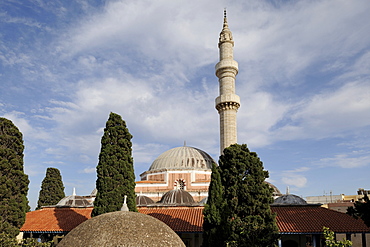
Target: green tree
[(7, 240), (212, 225), (246, 217), (52, 188), (13, 181), (330, 239), (115, 169), (361, 210)]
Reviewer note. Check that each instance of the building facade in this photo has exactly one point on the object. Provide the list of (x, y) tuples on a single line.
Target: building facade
[(183, 168)]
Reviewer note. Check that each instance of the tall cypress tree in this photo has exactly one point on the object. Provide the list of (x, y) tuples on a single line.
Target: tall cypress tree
[(13, 181), (212, 225), (115, 169), (52, 188), (246, 217)]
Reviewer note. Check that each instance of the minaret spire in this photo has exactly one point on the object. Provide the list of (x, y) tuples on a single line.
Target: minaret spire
[(227, 103)]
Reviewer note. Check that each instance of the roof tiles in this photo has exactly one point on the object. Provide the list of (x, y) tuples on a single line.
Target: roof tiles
[(55, 219), (290, 220), (312, 219), (179, 219)]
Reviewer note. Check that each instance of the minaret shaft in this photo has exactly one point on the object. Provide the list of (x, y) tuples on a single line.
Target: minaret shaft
[(228, 102)]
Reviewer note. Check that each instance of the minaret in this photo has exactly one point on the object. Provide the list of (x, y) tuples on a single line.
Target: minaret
[(228, 102)]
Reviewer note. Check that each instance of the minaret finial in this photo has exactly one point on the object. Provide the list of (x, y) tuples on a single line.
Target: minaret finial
[(225, 19)]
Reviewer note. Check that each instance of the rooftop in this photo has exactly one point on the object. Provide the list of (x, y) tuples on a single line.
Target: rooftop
[(290, 219)]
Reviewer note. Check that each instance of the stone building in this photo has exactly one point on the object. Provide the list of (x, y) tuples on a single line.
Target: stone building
[(184, 168)]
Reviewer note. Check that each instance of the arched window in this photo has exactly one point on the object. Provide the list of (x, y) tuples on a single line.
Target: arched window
[(180, 184)]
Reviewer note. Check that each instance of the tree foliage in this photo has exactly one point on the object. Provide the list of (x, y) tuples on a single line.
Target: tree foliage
[(330, 239), (246, 217), (361, 210), (212, 225), (52, 188), (7, 240), (13, 181), (115, 169)]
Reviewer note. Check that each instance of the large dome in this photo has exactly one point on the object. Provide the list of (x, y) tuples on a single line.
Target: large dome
[(182, 158), (122, 228)]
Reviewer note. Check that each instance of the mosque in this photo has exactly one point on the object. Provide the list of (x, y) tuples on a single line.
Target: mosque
[(174, 189), (189, 168)]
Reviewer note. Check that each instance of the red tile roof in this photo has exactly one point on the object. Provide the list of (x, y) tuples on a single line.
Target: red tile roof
[(180, 219), (312, 219), (55, 219), (190, 219)]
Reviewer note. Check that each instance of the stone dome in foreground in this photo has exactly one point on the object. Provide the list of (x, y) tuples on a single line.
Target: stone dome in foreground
[(182, 158), (122, 229)]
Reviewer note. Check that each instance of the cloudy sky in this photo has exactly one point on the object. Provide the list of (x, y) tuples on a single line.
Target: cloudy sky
[(304, 84)]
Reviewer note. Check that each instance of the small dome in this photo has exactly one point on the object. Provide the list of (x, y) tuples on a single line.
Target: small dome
[(204, 200), (276, 191), (94, 192), (289, 200), (177, 197), (182, 158), (122, 229), (74, 201), (143, 200)]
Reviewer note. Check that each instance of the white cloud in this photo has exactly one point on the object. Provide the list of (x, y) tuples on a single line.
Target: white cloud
[(282, 43), (295, 177), (295, 180), (89, 170), (331, 113), (351, 160), (257, 115)]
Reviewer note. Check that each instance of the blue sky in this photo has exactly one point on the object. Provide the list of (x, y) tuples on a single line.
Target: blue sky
[(304, 84)]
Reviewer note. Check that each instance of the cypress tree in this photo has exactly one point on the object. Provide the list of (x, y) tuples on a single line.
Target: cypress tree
[(245, 214), (361, 210), (115, 169), (52, 188), (13, 181), (212, 225)]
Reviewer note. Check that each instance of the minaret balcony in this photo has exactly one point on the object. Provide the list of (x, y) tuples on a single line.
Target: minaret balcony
[(226, 66), (228, 98)]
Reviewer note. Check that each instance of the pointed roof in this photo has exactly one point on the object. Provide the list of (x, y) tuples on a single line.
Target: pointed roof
[(225, 35)]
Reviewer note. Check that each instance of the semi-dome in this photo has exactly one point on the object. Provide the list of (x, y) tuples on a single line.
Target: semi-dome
[(182, 158), (74, 202), (204, 200), (176, 197), (143, 200), (122, 228), (289, 200)]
